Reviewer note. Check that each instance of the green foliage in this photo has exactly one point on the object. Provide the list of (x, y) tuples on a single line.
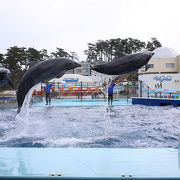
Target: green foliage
[(151, 46), (60, 53), (109, 49), (1, 58), (44, 54), (17, 59)]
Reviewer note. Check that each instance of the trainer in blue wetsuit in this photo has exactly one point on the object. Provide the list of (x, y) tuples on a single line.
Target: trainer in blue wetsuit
[(47, 89), (110, 91)]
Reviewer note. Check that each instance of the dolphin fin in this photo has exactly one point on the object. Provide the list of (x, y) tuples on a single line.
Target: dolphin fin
[(146, 67)]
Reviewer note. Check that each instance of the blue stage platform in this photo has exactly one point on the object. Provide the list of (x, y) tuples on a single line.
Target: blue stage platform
[(155, 101)]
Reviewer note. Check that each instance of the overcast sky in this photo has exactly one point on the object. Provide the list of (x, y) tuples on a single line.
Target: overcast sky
[(71, 24)]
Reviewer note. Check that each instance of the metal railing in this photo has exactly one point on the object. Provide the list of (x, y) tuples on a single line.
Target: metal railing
[(88, 90), (147, 92)]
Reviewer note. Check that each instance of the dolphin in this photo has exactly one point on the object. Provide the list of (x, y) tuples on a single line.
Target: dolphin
[(41, 71), (125, 63), (5, 77)]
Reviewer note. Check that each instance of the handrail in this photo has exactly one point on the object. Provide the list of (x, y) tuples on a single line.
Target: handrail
[(149, 87)]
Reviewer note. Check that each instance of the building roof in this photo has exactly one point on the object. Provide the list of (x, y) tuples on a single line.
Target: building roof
[(164, 52)]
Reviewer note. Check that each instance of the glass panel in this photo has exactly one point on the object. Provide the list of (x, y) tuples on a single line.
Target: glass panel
[(170, 65), (151, 65)]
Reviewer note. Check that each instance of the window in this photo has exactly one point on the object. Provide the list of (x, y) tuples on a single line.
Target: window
[(151, 65), (170, 65)]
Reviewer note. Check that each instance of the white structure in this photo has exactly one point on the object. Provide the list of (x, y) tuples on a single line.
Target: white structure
[(164, 52), (168, 81), (73, 78), (164, 70), (164, 60)]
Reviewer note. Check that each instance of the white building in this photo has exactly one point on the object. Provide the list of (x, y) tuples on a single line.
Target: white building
[(168, 81), (164, 70), (165, 60)]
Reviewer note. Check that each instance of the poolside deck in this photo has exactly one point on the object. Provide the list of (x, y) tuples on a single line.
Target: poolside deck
[(89, 163), (83, 102)]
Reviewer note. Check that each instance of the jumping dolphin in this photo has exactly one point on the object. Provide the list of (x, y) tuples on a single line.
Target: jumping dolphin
[(41, 71), (125, 63), (5, 77)]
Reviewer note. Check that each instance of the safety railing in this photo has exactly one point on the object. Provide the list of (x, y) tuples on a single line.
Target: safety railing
[(88, 90), (146, 91)]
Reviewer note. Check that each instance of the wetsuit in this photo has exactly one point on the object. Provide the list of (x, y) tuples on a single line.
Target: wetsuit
[(47, 89), (110, 93)]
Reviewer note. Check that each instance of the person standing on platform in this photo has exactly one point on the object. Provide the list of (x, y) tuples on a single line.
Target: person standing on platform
[(47, 90), (110, 92)]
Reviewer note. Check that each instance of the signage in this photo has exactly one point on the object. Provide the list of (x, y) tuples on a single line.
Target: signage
[(162, 78), (71, 79)]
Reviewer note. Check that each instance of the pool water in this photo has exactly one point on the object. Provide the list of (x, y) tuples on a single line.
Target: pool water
[(134, 126)]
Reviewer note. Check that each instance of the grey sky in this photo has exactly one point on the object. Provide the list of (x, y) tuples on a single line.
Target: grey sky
[(71, 24)]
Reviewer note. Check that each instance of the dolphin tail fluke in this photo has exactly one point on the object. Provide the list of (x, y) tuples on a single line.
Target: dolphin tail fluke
[(146, 67)]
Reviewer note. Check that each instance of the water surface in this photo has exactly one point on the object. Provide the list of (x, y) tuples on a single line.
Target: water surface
[(103, 126)]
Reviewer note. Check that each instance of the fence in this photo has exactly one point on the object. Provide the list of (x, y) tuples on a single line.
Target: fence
[(146, 91), (88, 90), (7, 96)]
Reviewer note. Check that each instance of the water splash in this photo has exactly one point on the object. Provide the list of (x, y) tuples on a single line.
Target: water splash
[(134, 126), (106, 81), (24, 113), (22, 118)]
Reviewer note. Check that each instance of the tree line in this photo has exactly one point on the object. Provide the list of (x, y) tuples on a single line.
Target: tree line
[(16, 59), (106, 50)]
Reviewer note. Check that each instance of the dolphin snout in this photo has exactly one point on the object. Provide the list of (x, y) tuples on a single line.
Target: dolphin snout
[(72, 65), (75, 64), (150, 54), (78, 65)]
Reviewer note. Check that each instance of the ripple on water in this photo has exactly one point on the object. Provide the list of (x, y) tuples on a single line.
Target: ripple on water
[(119, 126)]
